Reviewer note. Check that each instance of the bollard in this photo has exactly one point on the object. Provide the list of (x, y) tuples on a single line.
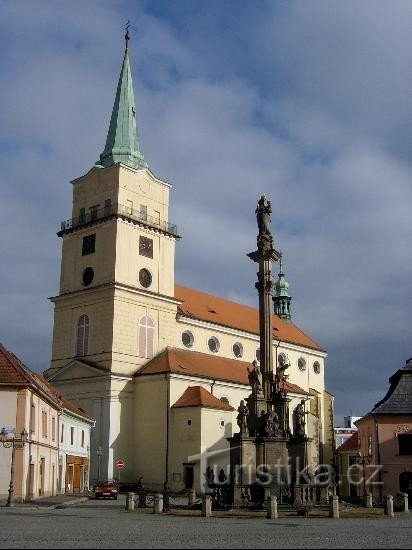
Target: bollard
[(333, 506), (368, 500), (130, 502), (405, 503), (206, 506), (191, 497), (272, 507), (158, 503), (388, 506)]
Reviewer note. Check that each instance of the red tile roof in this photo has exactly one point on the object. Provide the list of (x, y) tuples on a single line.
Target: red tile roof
[(351, 444), (14, 373), (206, 307), (196, 396), (203, 365)]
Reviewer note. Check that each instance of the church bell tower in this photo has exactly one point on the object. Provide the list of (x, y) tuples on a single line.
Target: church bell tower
[(116, 307)]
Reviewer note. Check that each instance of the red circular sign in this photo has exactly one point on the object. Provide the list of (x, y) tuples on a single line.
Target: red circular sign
[(120, 464)]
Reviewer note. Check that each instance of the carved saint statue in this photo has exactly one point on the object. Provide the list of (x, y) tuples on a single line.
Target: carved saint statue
[(255, 379), (280, 376), (300, 421), (242, 416), (263, 212), (273, 424)]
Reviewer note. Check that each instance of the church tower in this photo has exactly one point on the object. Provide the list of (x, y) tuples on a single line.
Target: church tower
[(116, 307), (281, 298)]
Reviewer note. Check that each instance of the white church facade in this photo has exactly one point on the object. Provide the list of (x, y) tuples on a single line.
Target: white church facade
[(160, 367)]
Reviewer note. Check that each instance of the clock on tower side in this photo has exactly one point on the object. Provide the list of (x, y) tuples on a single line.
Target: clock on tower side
[(115, 307)]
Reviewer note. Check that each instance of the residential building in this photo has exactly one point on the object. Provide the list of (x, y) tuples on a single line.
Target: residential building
[(74, 449), (385, 437)]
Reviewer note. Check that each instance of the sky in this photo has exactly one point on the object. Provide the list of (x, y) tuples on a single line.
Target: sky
[(306, 102)]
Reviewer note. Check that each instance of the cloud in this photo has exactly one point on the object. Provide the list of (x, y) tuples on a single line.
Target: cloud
[(308, 103)]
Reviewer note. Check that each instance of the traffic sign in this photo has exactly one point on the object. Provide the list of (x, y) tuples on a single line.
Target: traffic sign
[(120, 464)]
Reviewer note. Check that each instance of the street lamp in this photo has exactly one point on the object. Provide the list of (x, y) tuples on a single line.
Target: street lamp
[(8, 439), (364, 460), (99, 458)]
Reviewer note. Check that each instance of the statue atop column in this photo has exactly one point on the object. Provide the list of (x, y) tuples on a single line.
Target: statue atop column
[(263, 212)]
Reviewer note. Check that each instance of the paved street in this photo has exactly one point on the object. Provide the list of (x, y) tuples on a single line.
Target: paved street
[(105, 524)]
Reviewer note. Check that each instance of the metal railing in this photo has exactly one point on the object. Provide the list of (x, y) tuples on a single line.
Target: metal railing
[(117, 210)]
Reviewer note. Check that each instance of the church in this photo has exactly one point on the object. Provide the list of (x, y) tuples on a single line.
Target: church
[(162, 368)]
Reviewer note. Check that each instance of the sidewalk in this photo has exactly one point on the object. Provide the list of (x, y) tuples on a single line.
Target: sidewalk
[(57, 501)]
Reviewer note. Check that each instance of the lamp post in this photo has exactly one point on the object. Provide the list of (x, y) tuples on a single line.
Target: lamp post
[(8, 439), (99, 458), (364, 460)]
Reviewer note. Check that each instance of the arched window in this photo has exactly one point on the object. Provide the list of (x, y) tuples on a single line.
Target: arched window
[(82, 336), (146, 337)]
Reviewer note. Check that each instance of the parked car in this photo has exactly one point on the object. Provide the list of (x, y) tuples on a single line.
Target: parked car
[(106, 489)]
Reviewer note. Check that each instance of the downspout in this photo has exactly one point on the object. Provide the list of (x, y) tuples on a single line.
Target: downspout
[(167, 378), (211, 386), (379, 457)]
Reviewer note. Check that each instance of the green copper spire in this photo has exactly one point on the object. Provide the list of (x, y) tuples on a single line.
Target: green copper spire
[(281, 299), (122, 144)]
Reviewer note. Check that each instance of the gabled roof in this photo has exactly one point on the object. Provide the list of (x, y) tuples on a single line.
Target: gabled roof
[(14, 373), (398, 400), (73, 409), (197, 396), (203, 365), (350, 445), (206, 307)]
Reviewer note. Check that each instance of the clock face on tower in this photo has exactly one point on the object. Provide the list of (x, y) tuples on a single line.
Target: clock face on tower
[(146, 247)]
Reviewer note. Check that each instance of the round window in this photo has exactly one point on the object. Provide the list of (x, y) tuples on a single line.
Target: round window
[(187, 338), (238, 349), (258, 355), (213, 344), (88, 275), (301, 364), (316, 367), (145, 278)]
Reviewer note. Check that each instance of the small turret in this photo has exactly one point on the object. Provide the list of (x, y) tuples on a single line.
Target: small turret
[(281, 299)]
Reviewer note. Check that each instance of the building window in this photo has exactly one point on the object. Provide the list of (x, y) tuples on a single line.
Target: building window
[(187, 339), (405, 444), (189, 422), (143, 212), (33, 419), (237, 349), (82, 438), (258, 355), (222, 423), (87, 276), (44, 423), (107, 207), (213, 344), (53, 428), (82, 337), (129, 207), (301, 364), (82, 215), (72, 436), (62, 434), (93, 213), (89, 244), (146, 337), (225, 400), (316, 367)]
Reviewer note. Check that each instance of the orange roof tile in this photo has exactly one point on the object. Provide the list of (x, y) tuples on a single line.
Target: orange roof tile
[(206, 307), (196, 396), (203, 365), (351, 444)]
